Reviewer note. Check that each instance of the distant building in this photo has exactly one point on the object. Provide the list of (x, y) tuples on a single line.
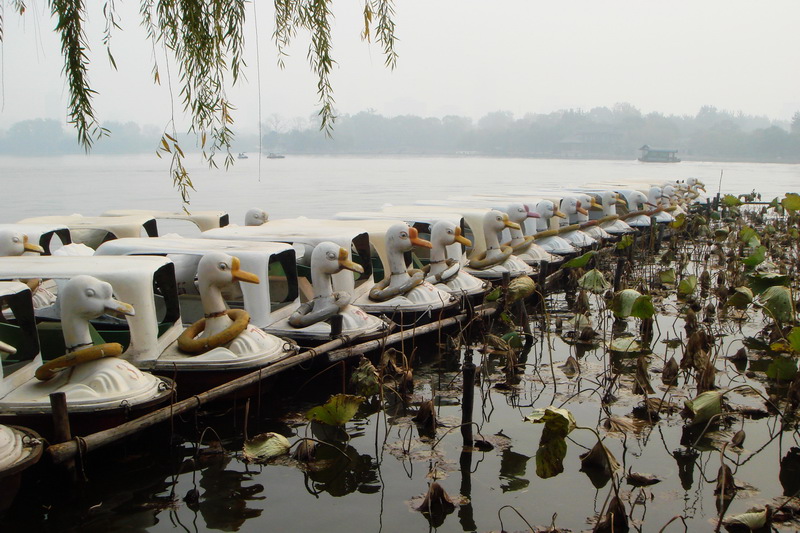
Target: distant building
[(652, 155)]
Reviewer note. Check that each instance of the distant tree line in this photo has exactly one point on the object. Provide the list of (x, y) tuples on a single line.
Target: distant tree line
[(602, 132)]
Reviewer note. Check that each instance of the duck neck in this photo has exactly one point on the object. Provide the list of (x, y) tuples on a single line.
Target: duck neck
[(76, 332), (541, 223), (397, 269), (492, 242), (322, 284), (438, 257), (214, 308), (610, 209)]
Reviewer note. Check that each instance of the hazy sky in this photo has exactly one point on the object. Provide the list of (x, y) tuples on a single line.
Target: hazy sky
[(461, 57)]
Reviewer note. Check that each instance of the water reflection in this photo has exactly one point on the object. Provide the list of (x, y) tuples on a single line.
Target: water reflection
[(339, 470), (512, 470), (223, 501)]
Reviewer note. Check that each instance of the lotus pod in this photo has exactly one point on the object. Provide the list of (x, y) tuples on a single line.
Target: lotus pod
[(520, 288), (594, 281)]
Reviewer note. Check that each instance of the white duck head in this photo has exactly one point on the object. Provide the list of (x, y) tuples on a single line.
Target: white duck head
[(654, 195), (255, 217), (519, 213), (443, 234), (637, 201), (14, 243), (669, 192), (215, 271), (494, 222), (84, 298), (400, 238), (572, 207), (693, 186), (328, 259), (546, 210), (610, 200)]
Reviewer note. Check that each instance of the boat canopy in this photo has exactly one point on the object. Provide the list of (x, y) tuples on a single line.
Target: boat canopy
[(423, 222), (93, 231), (273, 262), (204, 220), (48, 236), (147, 283), (18, 330), (304, 234)]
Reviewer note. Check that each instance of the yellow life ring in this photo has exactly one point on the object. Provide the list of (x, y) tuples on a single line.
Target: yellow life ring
[(522, 247), (189, 344), (381, 291), (84, 355), (480, 262)]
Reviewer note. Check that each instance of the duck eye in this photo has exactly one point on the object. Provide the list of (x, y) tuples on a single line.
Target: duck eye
[(15, 239), (449, 232), (223, 266), (90, 292), (403, 235), (330, 255)]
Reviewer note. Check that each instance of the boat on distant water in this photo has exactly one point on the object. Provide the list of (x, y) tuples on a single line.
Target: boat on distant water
[(652, 155), (242, 155), (273, 155)]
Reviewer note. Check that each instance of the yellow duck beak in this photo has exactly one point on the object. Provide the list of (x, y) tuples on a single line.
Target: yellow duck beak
[(415, 239), (30, 247), (242, 275), (507, 223), (580, 209), (557, 213), (346, 263), (115, 306), (460, 238)]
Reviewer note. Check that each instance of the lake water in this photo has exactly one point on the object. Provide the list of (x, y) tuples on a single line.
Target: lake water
[(316, 186), (384, 465)]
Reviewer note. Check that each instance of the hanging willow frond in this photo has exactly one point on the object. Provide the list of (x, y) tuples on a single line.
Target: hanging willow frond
[(207, 41), (69, 15), (19, 8)]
